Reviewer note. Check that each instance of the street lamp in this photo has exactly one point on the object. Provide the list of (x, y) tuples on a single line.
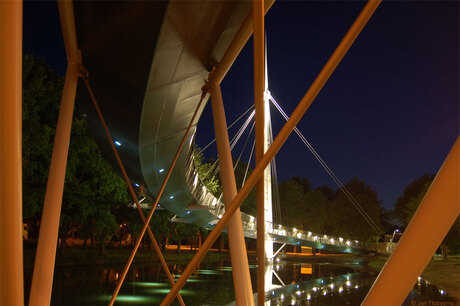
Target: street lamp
[(394, 232)]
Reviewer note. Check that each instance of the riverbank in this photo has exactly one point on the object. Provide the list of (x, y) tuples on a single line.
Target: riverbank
[(84, 257), (444, 274)]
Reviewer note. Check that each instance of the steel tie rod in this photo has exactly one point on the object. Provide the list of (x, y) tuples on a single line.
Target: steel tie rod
[(130, 187), (157, 199)]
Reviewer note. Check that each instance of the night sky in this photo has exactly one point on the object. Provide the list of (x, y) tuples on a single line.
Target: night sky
[(388, 114)]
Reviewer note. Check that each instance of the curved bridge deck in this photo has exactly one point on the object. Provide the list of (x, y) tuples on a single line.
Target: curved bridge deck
[(148, 98)]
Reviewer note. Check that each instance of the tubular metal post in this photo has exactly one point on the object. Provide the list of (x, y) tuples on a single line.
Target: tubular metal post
[(239, 258), (155, 204), (237, 44), (130, 186), (438, 211), (306, 101), (11, 269), (259, 87), (42, 280)]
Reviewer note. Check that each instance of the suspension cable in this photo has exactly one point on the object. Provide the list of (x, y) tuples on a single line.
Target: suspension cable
[(347, 193), (242, 151), (229, 127), (249, 162), (244, 146), (235, 140), (232, 144)]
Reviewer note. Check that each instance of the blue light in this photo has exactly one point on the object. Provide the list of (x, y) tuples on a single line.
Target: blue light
[(161, 170), (188, 212), (137, 185), (117, 143)]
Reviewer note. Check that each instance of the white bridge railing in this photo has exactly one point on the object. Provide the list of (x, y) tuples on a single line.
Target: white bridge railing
[(206, 199)]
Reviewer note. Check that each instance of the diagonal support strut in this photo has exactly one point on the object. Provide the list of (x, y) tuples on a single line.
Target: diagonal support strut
[(130, 187), (157, 199)]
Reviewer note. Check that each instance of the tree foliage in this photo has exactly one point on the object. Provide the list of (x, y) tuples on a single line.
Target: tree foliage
[(41, 96), (413, 193), (205, 169), (409, 201), (92, 189), (210, 176), (322, 210), (344, 219)]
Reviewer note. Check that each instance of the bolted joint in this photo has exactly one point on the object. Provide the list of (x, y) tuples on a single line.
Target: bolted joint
[(83, 73), (207, 83)]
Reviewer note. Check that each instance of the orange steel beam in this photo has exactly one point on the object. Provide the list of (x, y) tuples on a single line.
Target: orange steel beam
[(160, 192), (300, 110), (67, 18), (130, 186), (259, 87), (242, 279), (11, 269), (434, 217), (42, 279), (237, 44)]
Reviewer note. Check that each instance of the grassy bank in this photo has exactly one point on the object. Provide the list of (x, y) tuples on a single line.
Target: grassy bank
[(444, 274), (83, 257)]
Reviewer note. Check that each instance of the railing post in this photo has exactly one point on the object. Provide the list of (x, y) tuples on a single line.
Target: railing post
[(11, 268), (239, 258)]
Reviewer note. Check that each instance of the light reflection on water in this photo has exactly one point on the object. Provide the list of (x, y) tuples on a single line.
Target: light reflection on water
[(212, 284)]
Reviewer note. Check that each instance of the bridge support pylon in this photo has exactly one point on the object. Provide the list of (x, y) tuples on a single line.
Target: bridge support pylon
[(42, 278), (238, 255), (11, 270)]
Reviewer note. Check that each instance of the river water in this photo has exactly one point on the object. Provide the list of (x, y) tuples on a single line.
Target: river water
[(293, 283)]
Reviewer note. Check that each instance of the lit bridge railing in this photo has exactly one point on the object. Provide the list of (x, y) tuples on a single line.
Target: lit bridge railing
[(280, 233)]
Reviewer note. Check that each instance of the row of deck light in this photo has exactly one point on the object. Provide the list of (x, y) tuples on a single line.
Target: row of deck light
[(283, 231), (320, 290)]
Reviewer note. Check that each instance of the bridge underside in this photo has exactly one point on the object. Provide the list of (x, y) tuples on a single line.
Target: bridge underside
[(147, 63)]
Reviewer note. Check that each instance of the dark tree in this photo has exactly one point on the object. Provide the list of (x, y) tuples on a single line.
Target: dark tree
[(42, 88), (304, 182), (316, 212), (346, 221), (293, 203), (407, 204), (92, 189)]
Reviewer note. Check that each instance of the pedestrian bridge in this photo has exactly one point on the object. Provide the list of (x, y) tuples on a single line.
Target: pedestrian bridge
[(206, 203), (149, 99)]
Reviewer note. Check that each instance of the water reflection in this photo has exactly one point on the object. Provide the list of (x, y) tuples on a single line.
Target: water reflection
[(212, 284), (333, 290), (347, 289)]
